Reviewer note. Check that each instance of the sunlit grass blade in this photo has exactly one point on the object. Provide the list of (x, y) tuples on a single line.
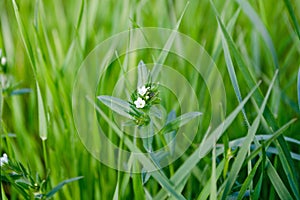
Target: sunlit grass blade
[(276, 181), (233, 76), (239, 160), (42, 115), (293, 16), (205, 146)]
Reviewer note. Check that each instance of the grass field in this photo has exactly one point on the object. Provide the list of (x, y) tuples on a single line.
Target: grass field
[(224, 123)]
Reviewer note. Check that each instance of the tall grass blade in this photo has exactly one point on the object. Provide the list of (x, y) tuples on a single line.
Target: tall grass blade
[(233, 76)]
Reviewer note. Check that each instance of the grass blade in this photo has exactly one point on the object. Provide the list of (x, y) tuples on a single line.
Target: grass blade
[(232, 75), (248, 180), (289, 6), (279, 186), (42, 115), (60, 185)]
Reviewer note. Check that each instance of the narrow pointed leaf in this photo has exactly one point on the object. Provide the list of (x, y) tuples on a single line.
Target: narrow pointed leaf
[(143, 74), (60, 185), (118, 105)]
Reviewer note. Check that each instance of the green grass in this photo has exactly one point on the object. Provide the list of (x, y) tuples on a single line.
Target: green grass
[(253, 150)]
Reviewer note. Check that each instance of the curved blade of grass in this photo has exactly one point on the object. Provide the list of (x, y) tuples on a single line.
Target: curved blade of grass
[(278, 184), (293, 16), (118, 105), (205, 147), (259, 99), (60, 185), (239, 160)]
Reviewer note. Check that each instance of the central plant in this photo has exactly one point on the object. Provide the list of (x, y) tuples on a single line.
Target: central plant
[(141, 112)]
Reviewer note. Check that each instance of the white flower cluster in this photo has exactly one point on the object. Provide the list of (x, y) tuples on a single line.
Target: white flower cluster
[(3, 160), (3, 58), (140, 102)]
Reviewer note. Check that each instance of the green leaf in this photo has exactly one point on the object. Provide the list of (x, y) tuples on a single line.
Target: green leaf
[(118, 105), (60, 185), (42, 115), (143, 74), (146, 133), (179, 121)]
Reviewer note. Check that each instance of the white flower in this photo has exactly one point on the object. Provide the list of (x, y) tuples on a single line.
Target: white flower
[(142, 90), (3, 60), (139, 103), (3, 159)]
